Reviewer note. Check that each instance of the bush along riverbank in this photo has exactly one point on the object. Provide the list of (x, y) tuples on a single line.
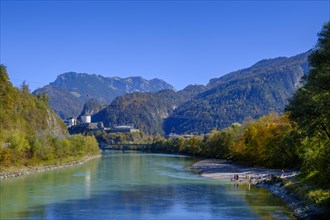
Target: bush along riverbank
[(304, 201)]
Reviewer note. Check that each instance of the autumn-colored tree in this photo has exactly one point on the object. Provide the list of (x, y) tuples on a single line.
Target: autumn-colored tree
[(267, 141)]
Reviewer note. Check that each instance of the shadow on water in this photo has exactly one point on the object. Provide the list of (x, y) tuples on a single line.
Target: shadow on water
[(134, 186)]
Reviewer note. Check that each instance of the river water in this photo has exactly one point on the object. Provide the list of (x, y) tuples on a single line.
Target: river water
[(134, 185)]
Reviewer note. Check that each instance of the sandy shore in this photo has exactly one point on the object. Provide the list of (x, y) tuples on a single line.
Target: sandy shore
[(226, 170), (30, 170)]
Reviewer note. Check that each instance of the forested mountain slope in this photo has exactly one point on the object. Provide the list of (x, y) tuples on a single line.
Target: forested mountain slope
[(146, 111), (245, 94)]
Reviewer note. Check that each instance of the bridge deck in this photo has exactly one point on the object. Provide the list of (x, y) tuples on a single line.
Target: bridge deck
[(123, 146)]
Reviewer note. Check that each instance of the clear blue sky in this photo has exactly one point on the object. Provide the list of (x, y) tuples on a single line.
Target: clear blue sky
[(181, 42)]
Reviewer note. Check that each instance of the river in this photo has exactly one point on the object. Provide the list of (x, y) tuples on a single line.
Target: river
[(134, 185)]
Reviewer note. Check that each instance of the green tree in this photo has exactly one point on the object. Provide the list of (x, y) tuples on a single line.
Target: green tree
[(310, 108), (7, 92), (310, 105), (25, 87)]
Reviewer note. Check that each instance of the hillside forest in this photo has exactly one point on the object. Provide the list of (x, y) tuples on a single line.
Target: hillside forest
[(31, 133)]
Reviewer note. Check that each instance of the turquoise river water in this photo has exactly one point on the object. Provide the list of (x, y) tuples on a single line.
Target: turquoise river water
[(134, 185)]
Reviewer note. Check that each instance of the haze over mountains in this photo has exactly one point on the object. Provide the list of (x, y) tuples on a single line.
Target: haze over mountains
[(154, 107)]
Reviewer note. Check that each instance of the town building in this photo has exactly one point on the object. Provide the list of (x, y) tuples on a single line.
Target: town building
[(71, 122), (124, 129), (86, 119)]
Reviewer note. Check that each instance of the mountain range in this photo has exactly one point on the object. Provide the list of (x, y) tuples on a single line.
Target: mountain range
[(70, 91), (156, 108), (235, 97)]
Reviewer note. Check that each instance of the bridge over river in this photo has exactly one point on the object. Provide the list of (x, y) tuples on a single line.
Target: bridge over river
[(124, 147)]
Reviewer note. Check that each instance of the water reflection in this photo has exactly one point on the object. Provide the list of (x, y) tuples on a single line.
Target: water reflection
[(26, 192), (134, 186)]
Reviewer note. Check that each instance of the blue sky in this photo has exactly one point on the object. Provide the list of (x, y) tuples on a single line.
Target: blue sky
[(181, 42)]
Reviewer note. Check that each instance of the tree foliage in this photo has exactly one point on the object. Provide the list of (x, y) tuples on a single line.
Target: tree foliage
[(31, 133), (122, 138), (311, 103), (310, 108), (269, 141)]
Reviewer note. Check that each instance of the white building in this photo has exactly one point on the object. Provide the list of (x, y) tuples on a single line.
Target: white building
[(71, 122), (124, 129), (86, 119)]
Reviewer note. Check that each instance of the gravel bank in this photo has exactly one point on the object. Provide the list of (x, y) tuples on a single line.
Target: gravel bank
[(300, 209), (226, 170), (30, 170)]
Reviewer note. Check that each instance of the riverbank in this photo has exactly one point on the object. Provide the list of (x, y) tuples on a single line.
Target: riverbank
[(29, 170), (269, 179)]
